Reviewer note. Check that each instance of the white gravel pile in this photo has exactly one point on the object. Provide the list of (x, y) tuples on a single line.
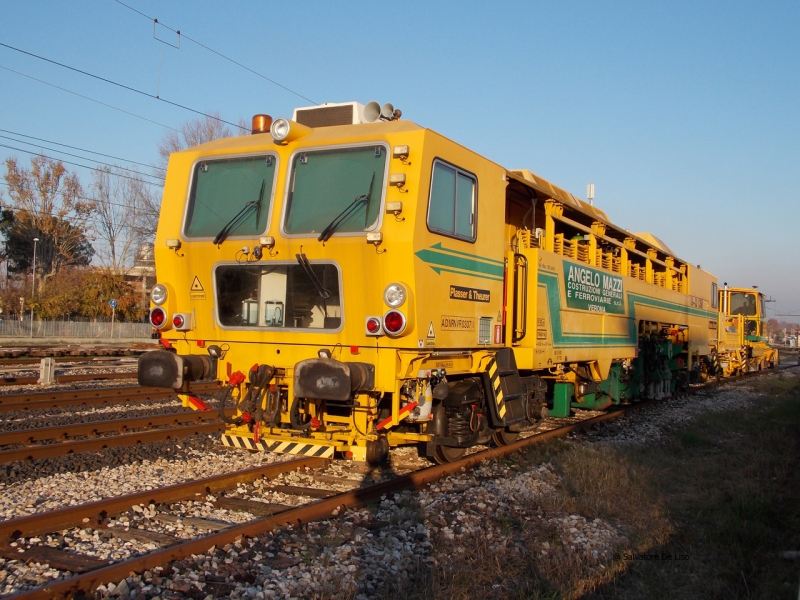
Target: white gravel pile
[(193, 458)]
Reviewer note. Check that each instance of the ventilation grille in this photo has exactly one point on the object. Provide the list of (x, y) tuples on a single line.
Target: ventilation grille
[(485, 330), (325, 116)]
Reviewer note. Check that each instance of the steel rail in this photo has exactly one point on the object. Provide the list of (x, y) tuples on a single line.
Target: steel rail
[(96, 514), (95, 396), (96, 428), (101, 443), (31, 364), (8, 363), (7, 381)]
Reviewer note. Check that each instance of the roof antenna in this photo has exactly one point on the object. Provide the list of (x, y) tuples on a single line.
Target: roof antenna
[(590, 193)]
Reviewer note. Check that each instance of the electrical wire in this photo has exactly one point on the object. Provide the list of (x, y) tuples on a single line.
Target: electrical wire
[(272, 81), (61, 193), (99, 162), (40, 213), (77, 148), (76, 164), (96, 220), (123, 86), (90, 99)]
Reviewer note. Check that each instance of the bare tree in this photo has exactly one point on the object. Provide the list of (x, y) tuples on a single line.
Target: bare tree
[(48, 203), (122, 203), (193, 133)]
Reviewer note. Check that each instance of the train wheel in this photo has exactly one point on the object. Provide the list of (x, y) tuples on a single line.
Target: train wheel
[(447, 454), (377, 451), (503, 437)]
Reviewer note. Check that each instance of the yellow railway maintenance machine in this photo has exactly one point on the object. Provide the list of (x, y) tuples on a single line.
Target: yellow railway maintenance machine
[(742, 333), (357, 282)]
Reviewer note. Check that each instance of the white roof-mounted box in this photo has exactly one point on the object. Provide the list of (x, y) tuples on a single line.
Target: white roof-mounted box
[(331, 113)]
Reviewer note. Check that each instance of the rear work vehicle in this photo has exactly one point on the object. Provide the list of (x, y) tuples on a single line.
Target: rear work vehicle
[(742, 334), (358, 282)]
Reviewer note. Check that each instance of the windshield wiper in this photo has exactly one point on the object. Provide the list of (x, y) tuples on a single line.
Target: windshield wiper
[(321, 289), (349, 210), (239, 217)]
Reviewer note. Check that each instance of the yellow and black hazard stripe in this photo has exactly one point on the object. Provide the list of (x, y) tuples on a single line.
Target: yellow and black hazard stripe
[(296, 448), (494, 376)]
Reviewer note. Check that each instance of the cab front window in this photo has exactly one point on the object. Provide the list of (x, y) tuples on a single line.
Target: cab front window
[(340, 189), (743, 304), (234, 193), (279, 296)]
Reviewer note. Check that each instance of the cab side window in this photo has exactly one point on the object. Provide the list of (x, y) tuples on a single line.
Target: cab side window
[(453, 201)]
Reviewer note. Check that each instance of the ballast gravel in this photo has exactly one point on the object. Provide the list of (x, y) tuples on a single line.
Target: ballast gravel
[(652, 424), (357, 554), (25, 419), (138, 468)]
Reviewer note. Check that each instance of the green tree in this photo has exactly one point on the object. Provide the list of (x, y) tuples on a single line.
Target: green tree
[(47, 203), (19, 244)]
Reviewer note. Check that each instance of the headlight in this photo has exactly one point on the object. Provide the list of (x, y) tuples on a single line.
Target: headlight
[(284, 131), (394, 295), (158, 294), (279, 129)]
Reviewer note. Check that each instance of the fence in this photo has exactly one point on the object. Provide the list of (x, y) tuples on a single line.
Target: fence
[(74, 329)]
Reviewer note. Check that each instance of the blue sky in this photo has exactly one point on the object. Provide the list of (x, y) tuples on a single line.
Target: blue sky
[(685, 115)]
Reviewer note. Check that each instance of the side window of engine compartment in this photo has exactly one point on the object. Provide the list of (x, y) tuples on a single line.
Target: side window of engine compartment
[(279, 295), (222, 188), (453, 201)]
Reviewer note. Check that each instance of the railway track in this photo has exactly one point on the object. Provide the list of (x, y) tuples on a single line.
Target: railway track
[(20, 363), (8, 381), (321, 503), (303, 504), (92, 397), (157, 428)]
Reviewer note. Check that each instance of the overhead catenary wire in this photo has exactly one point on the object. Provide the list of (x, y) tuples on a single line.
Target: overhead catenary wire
[(14, 208), (61, 193), (99, 162), (90, 99), (76, 164), (99, 222), (220, 54), (123, 86), (78, 148)]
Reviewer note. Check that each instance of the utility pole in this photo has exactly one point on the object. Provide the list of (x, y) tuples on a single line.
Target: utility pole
[(33, 280)]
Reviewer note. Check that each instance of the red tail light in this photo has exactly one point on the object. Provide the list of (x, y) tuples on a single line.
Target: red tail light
[(374, 326), (177, 321), (158, 317), (394, 322)]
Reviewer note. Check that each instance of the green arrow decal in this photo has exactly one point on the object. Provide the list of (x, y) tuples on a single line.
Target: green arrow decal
[(453, 261)]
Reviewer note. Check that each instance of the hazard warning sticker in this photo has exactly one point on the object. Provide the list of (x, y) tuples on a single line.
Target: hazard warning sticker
[(431, 332), (196, 291)]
